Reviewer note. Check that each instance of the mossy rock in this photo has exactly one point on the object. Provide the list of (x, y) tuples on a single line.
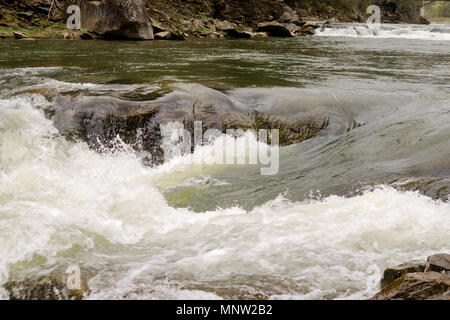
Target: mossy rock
[(52, 287), (416, 286)]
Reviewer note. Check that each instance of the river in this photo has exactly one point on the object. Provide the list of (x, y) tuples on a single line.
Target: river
[(186, 231)]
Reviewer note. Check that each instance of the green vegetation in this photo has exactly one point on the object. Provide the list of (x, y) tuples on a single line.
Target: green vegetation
[(182, 15), (439, 10), (34, 31)]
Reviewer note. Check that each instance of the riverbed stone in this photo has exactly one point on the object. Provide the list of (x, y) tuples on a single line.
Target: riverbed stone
[(435, 187), (394, 273), (116, 19), (438, 263), (416, 286)]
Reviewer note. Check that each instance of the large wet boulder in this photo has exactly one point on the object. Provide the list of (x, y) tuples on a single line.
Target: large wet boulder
[(417, 286), (100, 120), (394, 273), (433, 187), (116, 19), (275, 29)]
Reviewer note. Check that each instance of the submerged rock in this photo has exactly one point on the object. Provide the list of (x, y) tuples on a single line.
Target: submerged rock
[(437, 188), (433, 187), (116, 19)]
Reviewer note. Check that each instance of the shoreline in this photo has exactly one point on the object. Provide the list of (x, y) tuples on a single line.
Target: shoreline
[(181, 20)]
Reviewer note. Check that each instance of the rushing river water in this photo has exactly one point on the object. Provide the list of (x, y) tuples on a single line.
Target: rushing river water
[(183, 230)]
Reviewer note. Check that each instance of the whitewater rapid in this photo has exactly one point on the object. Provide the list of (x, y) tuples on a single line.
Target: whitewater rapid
[(64, 204), (436, 32)]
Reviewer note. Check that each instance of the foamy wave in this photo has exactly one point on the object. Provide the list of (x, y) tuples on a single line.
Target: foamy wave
[(92, 87), (63, 203), (436, 32), (30, 71)]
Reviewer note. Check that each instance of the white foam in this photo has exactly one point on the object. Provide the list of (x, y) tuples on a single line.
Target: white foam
[(93, 87), (30, 71), (435, 32), (60, 200)]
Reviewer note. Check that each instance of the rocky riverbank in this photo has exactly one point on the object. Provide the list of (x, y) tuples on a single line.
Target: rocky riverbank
[(168, 20), (178, 20)]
